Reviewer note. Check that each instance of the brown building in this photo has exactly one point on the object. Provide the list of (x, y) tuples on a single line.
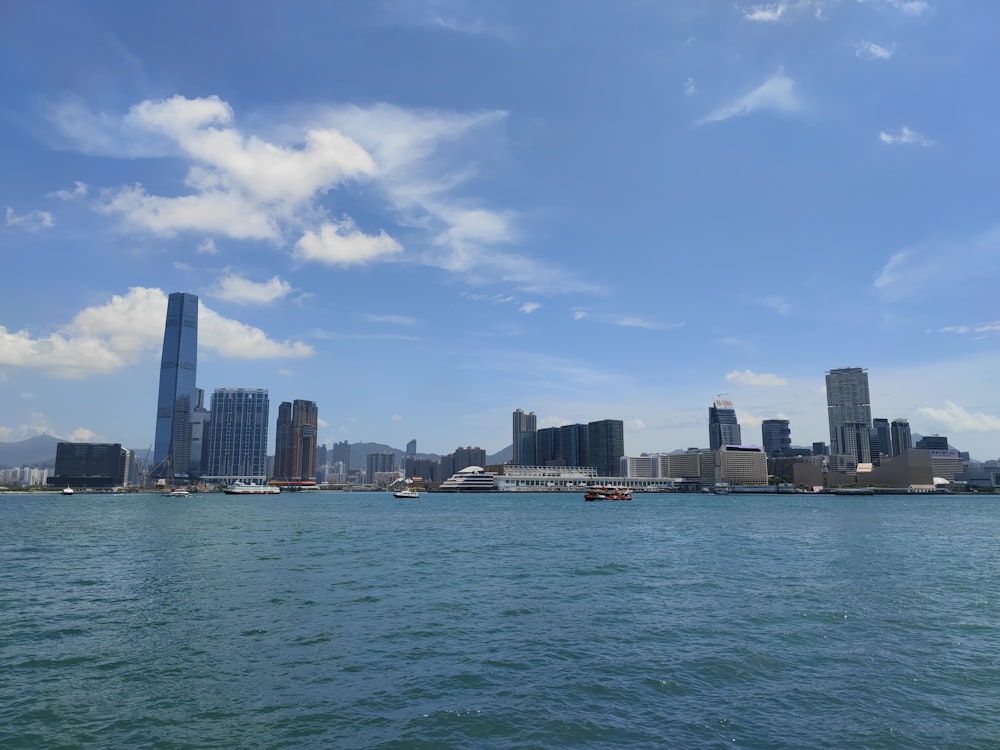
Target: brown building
[(295, 441)]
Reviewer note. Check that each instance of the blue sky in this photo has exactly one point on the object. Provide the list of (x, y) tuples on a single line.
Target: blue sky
[(423, 215)]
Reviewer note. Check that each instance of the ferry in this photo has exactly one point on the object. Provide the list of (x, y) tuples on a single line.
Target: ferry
[(406, 493), (245, 488), (600, 492)]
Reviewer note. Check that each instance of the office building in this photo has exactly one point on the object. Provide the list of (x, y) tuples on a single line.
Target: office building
[(462, 458), (89, 465), (199, 424), (411, 447), (881, 439), (723, 429), (776, 437), (819, 449), (237, 435), (295, 441), (568, 445), (606, 439), (176, 398), (741, 465), (525, 425), (848, 405), (933, 443), (902, 440)]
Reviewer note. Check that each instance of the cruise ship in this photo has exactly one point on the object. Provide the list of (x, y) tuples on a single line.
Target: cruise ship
[(470, 479)]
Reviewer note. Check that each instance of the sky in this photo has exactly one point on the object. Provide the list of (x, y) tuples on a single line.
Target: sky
[(424, 214)]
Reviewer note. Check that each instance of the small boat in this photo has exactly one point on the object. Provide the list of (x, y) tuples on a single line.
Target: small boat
[(245, 488), (177, 493), (601, 492), (67, 490), (406, 493)]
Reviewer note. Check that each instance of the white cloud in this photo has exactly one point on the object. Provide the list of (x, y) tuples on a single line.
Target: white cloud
[(958, 419), (993, 327), (874, 51), (904, 136), (31, 221), (777, 94), (769, 12), (397, 418), (690, 88), (342, 243), (529, 307), (579, 315), (776, 11), (910, 7), (206, 247), (778, 304), (940, 263), (399, 320), (79, 191), (748, 377), (242, 291), (105, 338), (82, 435), (633, 321)]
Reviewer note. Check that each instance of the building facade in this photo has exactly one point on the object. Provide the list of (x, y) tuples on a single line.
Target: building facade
[(177, 396), (525, 424), (91, 465), (237, 435), (295, 441), (848, 403), (776, 437), (723, 428), (902, 440), (606, 446)]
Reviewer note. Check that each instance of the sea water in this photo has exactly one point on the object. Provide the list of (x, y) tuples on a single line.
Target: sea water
[(356, 620)]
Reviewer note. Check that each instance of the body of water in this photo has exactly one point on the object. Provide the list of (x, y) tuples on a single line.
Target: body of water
[(356, 620)]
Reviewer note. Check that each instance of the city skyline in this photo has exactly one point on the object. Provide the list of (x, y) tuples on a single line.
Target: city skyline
[(422, 215)]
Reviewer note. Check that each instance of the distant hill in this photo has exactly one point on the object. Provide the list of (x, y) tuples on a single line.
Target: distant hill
[(38, 451), (360, 451)]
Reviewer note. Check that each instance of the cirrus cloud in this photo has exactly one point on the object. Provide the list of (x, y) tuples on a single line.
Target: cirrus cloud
[(960, 419), (776, 94)]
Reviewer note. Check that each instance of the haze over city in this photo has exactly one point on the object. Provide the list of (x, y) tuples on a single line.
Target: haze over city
[(424, 215)]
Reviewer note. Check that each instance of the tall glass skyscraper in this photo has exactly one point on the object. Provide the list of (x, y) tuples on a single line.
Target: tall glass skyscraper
[(849, 409), (607, 446), (237, 435), (177, 396), (776, 436), (723, 429), (525, 425), (902, 440)]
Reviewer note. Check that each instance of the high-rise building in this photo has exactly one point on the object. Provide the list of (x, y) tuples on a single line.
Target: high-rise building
[(295, 441), (199, 424), (380, 463), (341, 454), (607, 446), (856, 441), (237, 435), (776, 437), (933, 443), (902, 440), (723, 429), (525, 425), (176, 399), (411, 447), (819, 449), (848, 405), (89, 465), (882, 444)]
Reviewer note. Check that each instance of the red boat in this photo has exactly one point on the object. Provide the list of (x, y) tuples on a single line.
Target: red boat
[(600, 492)]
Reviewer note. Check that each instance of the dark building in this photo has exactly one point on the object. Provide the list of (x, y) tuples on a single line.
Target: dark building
[(426, 469), (881, 440), (411, 448), (380, 463), (776, 437), (90, 465), (237, 435), (524, 426), (295, 441), (177, 394), (723, 429), (819, 449), (932, 443), (607, 446), (902, 440), (849, 405)]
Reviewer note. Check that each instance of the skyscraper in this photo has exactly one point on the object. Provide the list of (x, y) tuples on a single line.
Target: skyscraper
[(607, 446), (411, 447), (176, 400), (902, 440), (295, 441), (848, 405), (776, 437), (237, 435), (882, 439), (525, 424), (723, 429)]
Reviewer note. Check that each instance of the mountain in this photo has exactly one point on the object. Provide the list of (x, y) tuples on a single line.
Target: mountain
[(360, 451), (38, 451)]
